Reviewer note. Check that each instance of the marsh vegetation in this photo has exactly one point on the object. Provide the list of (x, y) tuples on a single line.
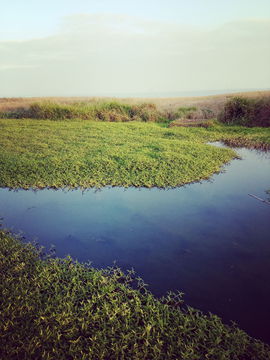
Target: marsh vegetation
[(86, 154), (79, 144), (106, 314), (57, 144)]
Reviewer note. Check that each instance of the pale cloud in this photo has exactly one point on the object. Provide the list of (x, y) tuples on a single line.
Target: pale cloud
[(101, 54)]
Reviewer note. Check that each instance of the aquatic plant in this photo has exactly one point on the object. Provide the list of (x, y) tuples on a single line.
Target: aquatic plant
[(73, 154), (60, 154), (60, 309)]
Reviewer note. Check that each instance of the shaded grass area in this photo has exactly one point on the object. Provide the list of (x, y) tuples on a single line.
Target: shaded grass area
[(87, 154), (60, 309), (73, 154)]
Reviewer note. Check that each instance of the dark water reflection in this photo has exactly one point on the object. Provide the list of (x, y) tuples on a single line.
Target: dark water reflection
[(209, 240)]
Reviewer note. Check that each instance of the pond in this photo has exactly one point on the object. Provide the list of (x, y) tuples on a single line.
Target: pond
[(210, 240)]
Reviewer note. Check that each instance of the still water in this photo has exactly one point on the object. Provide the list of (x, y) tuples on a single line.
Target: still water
[(210, 240)]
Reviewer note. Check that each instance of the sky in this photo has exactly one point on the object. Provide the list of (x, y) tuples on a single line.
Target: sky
[(103, 47)]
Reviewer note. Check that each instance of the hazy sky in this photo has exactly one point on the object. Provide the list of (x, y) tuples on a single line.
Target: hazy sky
[(95, 47)]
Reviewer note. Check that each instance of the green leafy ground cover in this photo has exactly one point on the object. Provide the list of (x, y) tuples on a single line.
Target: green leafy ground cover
[(44, 153), (60, 309)]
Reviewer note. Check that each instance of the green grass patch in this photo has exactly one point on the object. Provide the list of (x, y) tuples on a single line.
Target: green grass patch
[(60, 309), (93, 154), (38, 154)]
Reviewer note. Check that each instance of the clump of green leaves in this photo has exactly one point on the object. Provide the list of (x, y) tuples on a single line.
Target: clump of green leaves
[(60, 309)]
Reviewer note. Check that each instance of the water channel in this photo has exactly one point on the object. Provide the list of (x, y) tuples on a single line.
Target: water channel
[(210, 240)]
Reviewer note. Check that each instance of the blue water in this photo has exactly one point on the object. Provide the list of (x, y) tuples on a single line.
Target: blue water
[(210, 240)]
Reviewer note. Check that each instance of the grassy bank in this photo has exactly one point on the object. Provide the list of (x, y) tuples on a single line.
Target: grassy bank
[(73, 153), (60, 309), (240, 136)]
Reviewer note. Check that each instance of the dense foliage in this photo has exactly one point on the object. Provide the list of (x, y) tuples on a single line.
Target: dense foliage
[(60, 309), (99, 111), (237, 110), (247, 112)]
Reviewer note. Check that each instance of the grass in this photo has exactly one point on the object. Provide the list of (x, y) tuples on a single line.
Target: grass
[(93, 154), (240, 136), (215, 103), (60, 309), (39, 154), (98, 111)]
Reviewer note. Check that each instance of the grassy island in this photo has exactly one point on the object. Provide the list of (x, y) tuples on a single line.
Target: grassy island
[(59, 154)]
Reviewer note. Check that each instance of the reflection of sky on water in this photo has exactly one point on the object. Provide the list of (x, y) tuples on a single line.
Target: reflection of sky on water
[(209, 239)]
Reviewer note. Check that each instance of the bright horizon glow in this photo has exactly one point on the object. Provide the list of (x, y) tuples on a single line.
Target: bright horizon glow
[(85, 48)]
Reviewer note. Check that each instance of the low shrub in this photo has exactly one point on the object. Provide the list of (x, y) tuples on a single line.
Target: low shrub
[(246, 112), (60, 309), (18, 113), (102, 111), (147, 112), (51, 111)]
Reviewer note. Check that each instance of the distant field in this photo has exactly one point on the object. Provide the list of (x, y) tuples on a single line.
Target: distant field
[(214, 102)]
